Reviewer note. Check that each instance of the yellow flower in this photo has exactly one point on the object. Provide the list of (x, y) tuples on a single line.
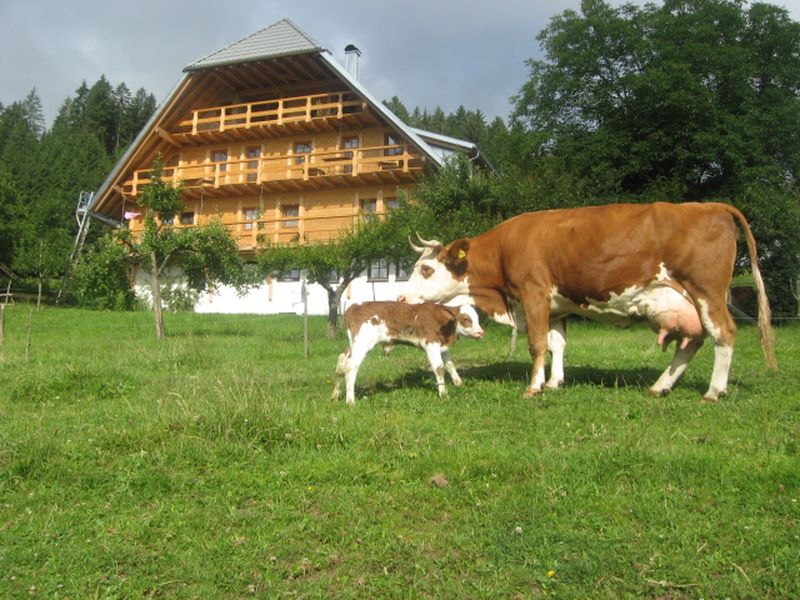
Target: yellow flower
[(551, 573)]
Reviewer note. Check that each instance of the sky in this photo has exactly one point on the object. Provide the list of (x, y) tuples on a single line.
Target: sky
[(428, 53)]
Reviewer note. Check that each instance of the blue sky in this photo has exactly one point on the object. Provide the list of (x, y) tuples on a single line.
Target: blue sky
[(426, 52)]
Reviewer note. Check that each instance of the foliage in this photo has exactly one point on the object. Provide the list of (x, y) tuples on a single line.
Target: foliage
[(43, 170), (348, 256), (214, 466), (688, 100), (101, 280), (206, 254)]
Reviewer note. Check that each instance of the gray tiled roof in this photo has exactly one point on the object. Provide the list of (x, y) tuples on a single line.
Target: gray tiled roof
[(283, 38)]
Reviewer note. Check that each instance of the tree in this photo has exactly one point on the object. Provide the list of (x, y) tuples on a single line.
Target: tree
[(347, 256), (42, 254), (207, 254), (687, 100)]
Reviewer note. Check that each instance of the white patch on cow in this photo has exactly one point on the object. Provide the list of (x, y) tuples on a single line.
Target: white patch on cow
[(475, 330), (723, 355), (441, 286), (556, 343), (662, 274)]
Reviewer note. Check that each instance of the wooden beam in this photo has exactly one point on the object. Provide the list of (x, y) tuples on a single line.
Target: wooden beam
[(164, 135)]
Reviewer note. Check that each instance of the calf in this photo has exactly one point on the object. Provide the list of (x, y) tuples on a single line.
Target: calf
[(432, 327)]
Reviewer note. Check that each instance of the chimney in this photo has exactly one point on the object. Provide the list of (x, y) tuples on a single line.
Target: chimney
[(351, 56)]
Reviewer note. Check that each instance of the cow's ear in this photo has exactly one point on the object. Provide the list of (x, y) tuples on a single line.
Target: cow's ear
[(457, 253)]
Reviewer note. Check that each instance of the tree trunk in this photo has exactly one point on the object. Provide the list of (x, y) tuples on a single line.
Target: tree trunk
[(334, 298), (39, 295), (155, 289)]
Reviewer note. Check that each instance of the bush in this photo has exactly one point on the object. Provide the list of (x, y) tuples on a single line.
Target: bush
[(101, 280)]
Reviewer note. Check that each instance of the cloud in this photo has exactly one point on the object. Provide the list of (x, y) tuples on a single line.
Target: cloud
[(445, 53)]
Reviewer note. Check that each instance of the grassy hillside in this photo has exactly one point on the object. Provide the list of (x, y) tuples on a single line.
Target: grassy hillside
[(213, 465)]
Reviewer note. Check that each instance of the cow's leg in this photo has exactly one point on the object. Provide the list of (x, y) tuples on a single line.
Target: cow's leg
[(556, 343), (451, 368), (719, 324), (537, 316), (434, 352), (680, 361)]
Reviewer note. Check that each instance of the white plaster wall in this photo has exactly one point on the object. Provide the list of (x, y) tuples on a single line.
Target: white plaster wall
[(286, 297)]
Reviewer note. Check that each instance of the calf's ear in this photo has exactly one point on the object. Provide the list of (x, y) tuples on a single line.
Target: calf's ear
[(456, 256)]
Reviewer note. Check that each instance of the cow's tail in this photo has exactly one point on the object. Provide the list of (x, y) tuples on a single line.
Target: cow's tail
[(764, 312)]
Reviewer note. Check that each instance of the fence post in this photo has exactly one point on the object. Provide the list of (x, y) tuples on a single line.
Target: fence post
[(28, 337)]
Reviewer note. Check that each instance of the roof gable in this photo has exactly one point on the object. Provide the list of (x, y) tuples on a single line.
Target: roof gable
[(283, 38)]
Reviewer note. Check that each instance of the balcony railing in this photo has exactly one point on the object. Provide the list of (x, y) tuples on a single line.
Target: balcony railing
[(314, 166), (271, 112)]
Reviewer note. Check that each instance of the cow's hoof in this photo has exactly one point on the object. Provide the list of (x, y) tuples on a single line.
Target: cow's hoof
[(554, 385), (710, 397), (531, 392), (659, 393)]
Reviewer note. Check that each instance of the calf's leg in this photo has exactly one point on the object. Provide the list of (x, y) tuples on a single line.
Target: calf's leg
[(434, 352), (341, 371), (451, 368)]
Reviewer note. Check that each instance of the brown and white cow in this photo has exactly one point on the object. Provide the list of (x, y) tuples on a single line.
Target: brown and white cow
[(669, 264), (432, 327)]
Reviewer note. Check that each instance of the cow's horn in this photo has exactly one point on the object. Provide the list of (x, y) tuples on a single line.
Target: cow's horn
[(429, 243), (414, 247)]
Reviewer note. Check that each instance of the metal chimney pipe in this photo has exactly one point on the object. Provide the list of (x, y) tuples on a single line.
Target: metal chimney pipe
[(351, 56)]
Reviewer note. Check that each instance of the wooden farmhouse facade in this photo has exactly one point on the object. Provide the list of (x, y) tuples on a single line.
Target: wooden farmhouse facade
[(277, 139)]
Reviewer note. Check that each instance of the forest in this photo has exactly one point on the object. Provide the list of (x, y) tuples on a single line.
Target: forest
[(683, 100)]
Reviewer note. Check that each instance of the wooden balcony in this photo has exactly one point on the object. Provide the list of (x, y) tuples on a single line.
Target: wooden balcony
[(316, 170), (270, 118)]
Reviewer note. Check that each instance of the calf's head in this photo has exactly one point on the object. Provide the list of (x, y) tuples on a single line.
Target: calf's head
[(440, 273), (467, 322)]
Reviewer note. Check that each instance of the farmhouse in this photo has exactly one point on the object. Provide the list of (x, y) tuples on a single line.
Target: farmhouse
[(272, 135)]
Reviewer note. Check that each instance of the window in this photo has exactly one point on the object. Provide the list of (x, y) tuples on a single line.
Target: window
[(168, 220), (390, 140), (301, 148), (391, 203), (403, 269), (288, 211), (368, 209), (187, 218), (290, 275), (333, 277), (378, 270), (349, 143), (250, 216), (220, 157), (253, 154)]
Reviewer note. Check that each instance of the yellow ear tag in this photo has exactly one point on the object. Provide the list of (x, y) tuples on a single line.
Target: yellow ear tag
[(462, 254)]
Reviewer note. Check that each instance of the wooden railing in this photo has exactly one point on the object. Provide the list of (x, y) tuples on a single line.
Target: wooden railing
[(272, 112), (250, 234), (254, 171)]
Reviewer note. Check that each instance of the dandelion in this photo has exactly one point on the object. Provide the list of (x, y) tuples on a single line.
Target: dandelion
[(551, 573)]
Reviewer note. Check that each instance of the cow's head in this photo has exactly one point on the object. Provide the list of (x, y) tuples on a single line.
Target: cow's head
[(440, 274), (467, 322)]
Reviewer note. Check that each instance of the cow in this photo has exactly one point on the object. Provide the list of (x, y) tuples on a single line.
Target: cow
[(432, 327), (669, 264)]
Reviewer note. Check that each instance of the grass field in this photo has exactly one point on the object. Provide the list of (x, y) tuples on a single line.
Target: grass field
[(213, 465)]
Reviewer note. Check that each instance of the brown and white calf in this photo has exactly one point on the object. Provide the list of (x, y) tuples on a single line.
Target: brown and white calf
[(432, 327), (669, 264)]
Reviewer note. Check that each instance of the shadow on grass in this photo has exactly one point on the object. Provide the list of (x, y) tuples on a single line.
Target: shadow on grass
[(517, 373)]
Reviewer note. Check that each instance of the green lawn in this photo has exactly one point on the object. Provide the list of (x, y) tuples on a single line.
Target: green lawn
[(213, 465)]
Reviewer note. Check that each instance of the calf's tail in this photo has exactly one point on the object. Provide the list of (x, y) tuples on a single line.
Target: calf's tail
[(764, 312)]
